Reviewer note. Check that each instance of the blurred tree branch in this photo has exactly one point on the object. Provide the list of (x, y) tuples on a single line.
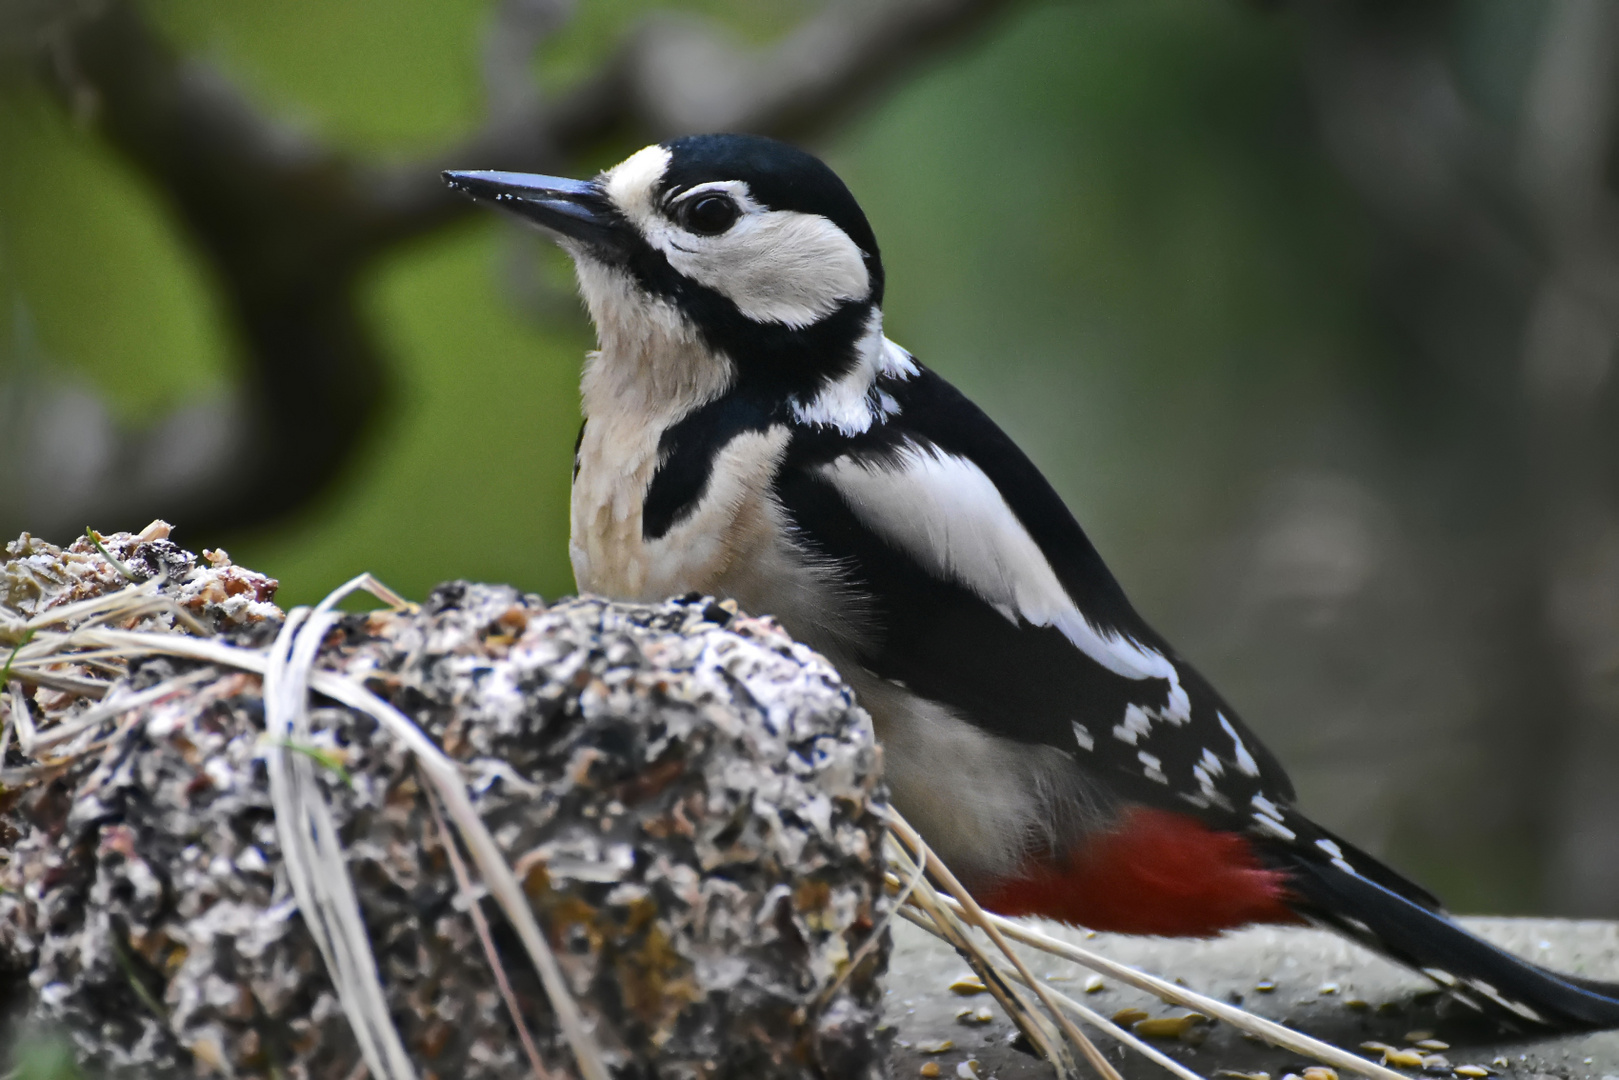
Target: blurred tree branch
[(1500, 268), (288, 224)]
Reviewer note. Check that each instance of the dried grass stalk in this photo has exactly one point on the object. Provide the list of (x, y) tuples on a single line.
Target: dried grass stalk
[(1241, 1019)]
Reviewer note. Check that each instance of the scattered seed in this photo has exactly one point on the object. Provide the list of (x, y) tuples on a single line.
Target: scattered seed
[(1232, 1074), (1501, 1062), (1417, 1036), (1328, 988), (1472, 1071), (968, 985), (1376, 1047), (1094, 984), (937, 1046), (1435, 1061), (1127, 1017), (1406, 1059), (1320, 1072), (967, 1070), (1265, 986), (975, 1016), (929, 1068), (1432, 1044), (1168, 1027), (208, 1052), (1357, 1004)]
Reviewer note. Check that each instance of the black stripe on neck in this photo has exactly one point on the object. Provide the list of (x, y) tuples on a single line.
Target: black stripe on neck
[(687, 450)]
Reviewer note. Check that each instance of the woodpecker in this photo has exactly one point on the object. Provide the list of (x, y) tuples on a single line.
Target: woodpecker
[(751, 433)]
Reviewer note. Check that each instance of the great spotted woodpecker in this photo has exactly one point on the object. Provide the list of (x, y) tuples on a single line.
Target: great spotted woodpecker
[(750, 433)]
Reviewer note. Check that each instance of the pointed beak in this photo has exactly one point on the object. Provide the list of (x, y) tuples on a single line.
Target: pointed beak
[(570, 209)]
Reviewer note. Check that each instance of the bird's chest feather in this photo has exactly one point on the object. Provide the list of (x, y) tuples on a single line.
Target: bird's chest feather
[(717, 535)]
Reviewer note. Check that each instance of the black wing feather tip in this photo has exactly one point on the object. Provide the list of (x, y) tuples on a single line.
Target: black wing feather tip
[(1423, 937)]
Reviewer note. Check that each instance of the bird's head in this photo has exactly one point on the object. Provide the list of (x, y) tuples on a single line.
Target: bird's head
[(748, 245)]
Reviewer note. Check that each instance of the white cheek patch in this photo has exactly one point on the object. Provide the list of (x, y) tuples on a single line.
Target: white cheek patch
[(776, 266)]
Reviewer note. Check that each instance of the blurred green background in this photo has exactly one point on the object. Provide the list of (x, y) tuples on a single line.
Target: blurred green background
[(1095, 208), (1253, 285)]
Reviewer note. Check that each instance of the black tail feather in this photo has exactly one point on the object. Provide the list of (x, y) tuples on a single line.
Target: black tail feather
[(1363, 906)]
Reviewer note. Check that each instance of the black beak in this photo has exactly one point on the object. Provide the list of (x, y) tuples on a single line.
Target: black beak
[(574, 209)]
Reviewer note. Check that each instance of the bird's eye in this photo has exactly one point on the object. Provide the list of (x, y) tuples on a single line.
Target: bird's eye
[(709, 215)]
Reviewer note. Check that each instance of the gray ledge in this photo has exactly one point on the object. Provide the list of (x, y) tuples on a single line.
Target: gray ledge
[(1300, 962)]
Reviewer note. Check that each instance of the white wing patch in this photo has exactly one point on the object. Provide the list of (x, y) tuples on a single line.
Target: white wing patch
[(1153, 766), (1245, 760), (1205, 772), (945, 513), (1267, 817), (1267, 825), (1136, 724), (1336, 854)]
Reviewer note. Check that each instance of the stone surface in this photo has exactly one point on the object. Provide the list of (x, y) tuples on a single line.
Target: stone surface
[(690, 799), (1300, 962)]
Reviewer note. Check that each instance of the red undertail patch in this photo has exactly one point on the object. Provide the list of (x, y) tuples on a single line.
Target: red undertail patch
[(1157, 873)]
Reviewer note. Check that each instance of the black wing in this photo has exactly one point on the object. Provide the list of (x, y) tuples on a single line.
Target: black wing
[(986, 595), (976, 574)]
